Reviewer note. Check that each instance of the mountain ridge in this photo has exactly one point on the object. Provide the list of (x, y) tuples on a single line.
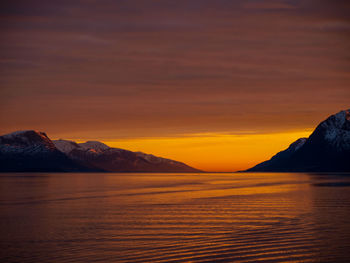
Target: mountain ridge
[(34, 151), (99, 155), (327, 149)]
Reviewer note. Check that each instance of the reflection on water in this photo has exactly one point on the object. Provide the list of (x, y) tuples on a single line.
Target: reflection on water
[(174, 217)]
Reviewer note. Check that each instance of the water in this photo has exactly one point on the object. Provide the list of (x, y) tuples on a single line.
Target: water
[(174, 217)]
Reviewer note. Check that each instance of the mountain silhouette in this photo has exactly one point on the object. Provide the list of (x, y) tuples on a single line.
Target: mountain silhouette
[(33, 151), (326, 150)]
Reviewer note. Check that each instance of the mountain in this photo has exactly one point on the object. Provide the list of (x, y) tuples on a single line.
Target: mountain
[(96, 155), (33, 151), (326, 150)]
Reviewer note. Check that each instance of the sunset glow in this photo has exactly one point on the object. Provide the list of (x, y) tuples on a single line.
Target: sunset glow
[(145, 131), (220, 85), (214, 152)]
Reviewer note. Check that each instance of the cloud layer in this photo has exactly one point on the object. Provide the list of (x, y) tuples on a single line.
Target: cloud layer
[(161, 68)]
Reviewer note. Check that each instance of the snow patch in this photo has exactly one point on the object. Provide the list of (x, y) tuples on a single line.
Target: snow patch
[(97, 146), (337, 130), (65, 146)]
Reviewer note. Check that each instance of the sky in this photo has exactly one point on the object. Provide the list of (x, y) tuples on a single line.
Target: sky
[(218, 84)]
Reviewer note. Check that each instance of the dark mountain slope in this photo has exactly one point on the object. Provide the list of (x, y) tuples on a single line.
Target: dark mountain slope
[(326, 150), (33, 151), (97, 155)]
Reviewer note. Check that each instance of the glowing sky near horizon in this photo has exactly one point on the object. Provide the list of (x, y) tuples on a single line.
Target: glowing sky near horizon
[(215, 152), (181, 79)]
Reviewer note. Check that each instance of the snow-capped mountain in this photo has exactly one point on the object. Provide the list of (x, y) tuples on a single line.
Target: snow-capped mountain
[(27, 142), (33, 151), (327, 149), (334, 132), (97, 155), (30, 150), (95, 145)]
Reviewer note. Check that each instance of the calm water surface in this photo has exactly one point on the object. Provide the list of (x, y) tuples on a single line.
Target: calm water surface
[(174, 217)]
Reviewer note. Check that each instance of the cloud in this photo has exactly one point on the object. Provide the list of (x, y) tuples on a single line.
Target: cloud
[(269, 5), (168, 67)]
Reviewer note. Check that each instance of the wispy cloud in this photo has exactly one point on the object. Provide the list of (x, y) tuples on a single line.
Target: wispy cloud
[(145, 68)]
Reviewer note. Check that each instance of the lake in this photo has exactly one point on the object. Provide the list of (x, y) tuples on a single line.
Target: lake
[(218, 217)]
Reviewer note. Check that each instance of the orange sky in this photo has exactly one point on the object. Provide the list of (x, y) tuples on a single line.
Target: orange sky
[(181, 79), (215, 152)]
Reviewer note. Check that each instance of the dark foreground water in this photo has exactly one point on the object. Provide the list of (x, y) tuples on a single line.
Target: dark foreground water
[(174, 218)]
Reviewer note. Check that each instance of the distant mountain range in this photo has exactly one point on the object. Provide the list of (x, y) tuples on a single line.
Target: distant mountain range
[(326, 150), (33, 151)]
